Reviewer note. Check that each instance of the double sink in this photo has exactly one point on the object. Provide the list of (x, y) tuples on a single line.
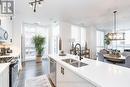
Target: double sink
[(74, 63)]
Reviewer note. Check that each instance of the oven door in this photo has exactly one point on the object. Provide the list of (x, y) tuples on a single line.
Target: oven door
[(14, 74)]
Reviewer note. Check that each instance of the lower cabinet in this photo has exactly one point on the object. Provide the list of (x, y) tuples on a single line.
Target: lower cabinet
[(4, 78), (66, 78), (0, 79)]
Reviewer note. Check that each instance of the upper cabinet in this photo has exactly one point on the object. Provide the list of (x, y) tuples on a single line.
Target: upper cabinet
[(6, 25), (6, 22), (3, 34)]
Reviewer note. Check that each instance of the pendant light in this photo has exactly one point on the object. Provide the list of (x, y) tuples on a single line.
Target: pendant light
[(35, 3), (116, 35)]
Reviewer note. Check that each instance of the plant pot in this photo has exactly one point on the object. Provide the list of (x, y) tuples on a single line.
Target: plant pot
[(38, 59)]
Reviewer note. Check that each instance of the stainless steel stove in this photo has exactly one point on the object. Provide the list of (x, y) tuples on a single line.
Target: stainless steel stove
[(6, 59), (13, 69)]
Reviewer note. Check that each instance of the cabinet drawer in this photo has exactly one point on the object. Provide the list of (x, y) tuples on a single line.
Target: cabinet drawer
[(67, 78)]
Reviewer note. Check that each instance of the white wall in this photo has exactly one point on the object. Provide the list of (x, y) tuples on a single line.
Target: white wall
[(16, 34), (50, 51)]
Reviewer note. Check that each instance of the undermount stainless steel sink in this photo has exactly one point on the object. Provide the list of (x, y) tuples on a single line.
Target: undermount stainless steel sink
[(79, 64), (74, 63), (69, 60)]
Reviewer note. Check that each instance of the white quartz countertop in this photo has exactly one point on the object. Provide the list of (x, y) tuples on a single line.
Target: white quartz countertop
[(98, 73), (3, 66)]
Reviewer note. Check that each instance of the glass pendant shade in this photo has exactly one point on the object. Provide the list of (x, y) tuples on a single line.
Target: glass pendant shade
[(116, 36)]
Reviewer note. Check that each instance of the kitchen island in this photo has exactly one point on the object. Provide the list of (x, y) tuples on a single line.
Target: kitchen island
[(4, 74), (94, 74)]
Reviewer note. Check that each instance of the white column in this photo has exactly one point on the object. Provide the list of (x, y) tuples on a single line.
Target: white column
[(65, 34), (91, 41)]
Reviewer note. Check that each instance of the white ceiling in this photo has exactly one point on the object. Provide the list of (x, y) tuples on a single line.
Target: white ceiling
[(97, 13)]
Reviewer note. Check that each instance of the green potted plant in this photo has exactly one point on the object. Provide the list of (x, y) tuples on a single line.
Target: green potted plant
[(39, 42), (107, 40)]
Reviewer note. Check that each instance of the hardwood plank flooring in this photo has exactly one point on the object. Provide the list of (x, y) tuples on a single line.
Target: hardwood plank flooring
[(32, 69)]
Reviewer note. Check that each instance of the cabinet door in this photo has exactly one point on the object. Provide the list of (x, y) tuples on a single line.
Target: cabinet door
[(0, 79), (60, 76), (7, 25), (5, 78), (66, 78)]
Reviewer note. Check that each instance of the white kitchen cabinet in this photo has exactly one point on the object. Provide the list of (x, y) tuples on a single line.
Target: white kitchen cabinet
[(7, 25), (0, 79), (66, 78), (4, 78)]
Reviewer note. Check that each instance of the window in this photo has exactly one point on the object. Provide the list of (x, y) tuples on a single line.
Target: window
[(75, 33), (31, 30), (100, 40), (83, 36), (78, 34)]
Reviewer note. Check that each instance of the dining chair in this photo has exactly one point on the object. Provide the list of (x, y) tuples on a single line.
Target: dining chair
[(103, 51), (127, 62), (100, 57), (126, 54)]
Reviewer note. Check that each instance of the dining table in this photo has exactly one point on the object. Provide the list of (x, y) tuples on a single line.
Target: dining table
[(114, 58)]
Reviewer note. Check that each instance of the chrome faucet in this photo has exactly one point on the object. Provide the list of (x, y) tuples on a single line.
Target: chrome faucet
[(79, 50)]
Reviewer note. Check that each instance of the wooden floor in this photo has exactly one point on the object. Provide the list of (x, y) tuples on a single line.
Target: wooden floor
[(32, 69)]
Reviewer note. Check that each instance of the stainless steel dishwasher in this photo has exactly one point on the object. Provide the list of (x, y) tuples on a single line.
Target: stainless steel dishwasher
[(52, 74)]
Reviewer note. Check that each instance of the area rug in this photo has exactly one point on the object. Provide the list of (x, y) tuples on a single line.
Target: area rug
[(40, 81)]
